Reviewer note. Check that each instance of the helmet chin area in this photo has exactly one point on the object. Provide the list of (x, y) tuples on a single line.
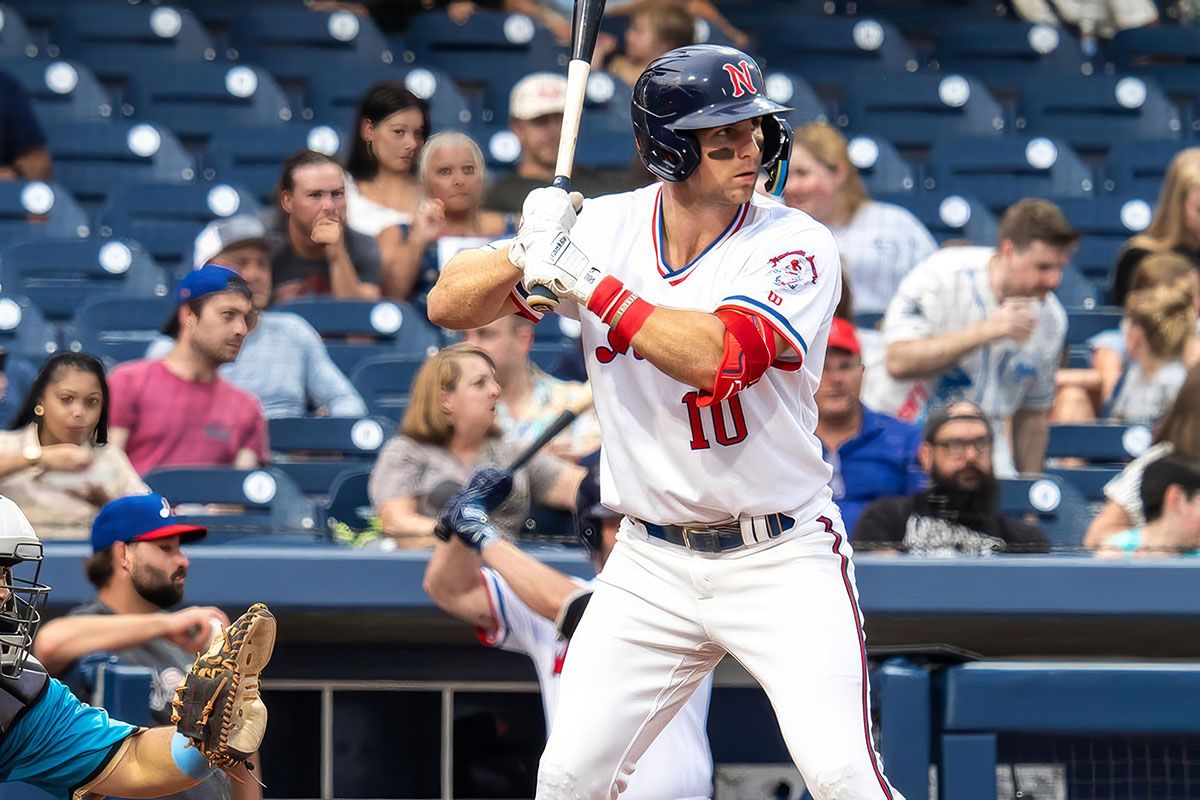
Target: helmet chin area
[(22, 597)]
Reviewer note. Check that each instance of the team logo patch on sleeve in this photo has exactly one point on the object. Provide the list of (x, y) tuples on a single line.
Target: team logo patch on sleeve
[(793, 270)]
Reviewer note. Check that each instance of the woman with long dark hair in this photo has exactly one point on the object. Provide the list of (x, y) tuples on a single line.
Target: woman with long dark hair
[(382, 190), (54, 463)]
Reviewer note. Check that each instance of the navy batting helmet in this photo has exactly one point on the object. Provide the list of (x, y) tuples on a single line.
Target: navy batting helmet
[(703, 86)]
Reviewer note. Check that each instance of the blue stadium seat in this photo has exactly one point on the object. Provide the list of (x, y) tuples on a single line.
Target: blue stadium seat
[(120, 40), (1056, 507), (349, 502), (15, 39), (333, 97), (166, 217), (395, 328), (23, 329), (1083, 324), (118, 328), (60, 90), (313, 451), (493, 47), (1099, 442), (1136, 169), (90, 158), (272, 507), (60, 276), (1088, 481), (1106, 222), (290, 43), (880, 165), (1007, 55), (1096, 112), (36, 210), (949, 216), (912, 110), (1004, 170), (384, 383), (791, 89), (253, 156), (1075, 290), (197, 100), (1170, 54), (606, 135), (829, 51)]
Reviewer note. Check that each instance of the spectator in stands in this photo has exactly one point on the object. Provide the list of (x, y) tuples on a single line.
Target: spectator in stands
[(655, 27), (959, 513), (23, 152), (1171, 496), (1177, 432), (699, 9), (448, 431), (981, 323), (283, 361), (312, 250), (139, 571), (55, 463), (529, 398), (1093, 18), (382, 190), (872, 455), (449, 218), (1175, 226), (879, 242), (179, 411), (535, 115)]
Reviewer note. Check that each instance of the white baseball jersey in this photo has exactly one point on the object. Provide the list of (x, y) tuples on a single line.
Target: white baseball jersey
[(665, 459), (677, 765), (950, 291)]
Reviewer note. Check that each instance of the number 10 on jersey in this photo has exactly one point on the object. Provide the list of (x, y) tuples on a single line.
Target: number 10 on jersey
[(719, 418)]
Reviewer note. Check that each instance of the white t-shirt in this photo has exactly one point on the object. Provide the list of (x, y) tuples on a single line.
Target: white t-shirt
[(880, 245), (368, 217), (678, 764), (1126, 488), (665, 459), (1144, 399), (950, 291)]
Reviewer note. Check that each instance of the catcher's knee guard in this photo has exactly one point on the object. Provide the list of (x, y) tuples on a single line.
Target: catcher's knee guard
[(217, 706)]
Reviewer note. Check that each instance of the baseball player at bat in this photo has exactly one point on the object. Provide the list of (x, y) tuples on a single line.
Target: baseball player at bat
[(519, 604), (705, 310)]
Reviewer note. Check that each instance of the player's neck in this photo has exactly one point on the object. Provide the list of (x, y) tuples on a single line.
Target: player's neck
[(122, 598), (690, 224)]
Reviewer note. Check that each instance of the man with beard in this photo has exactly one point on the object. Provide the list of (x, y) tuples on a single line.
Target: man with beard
[(959, 513), (139, 570), (178, 411)]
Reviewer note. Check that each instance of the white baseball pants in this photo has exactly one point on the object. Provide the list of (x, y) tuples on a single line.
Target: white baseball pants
[(662, 617)]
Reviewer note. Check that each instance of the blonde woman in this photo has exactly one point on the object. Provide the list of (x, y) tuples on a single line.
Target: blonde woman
[(879, 242), (1175, 226), (449, 217), (447, 433), (1160, 322)]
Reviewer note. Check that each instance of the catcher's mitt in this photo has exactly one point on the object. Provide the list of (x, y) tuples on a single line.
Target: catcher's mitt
[(217, 706)]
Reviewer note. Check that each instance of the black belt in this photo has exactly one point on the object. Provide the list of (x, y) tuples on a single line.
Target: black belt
[(721, 538)]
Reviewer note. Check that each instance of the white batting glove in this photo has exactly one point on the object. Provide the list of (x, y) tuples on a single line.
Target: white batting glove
[(554, 261), (545, 210)]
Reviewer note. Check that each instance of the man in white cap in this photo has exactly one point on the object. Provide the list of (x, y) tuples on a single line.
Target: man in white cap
[(283, 360), (535, 116)]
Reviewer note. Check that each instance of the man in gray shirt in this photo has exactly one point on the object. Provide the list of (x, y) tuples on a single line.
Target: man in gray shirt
[(283, 360), (139, 571)]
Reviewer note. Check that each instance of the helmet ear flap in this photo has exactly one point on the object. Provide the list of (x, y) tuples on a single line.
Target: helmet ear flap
[(777, 151)]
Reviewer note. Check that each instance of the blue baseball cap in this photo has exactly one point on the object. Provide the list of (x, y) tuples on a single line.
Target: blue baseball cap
[(140, 518), (209, 279)]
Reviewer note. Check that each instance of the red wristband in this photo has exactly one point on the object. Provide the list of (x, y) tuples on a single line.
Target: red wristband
[(631, 322), (606, 297)]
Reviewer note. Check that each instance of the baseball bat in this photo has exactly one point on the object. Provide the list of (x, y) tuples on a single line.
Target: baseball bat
[(442, 493), (584, 29)]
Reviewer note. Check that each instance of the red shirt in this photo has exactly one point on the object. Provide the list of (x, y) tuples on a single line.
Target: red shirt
[(174, 422)]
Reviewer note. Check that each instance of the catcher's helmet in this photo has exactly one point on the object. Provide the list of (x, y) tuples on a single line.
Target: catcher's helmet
[(21, 594), (703, 86)]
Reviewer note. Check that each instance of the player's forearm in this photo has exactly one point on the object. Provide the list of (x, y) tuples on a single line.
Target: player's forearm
[(65, 640), (473, 289), (249, 789), (1030, 433), (146, 768), (686, 345), (453, 570), (542, 588), (923, 358)]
